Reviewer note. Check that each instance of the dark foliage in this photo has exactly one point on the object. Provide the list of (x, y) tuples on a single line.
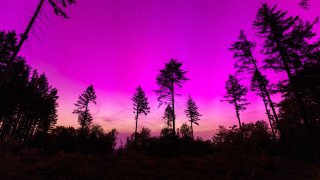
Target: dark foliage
[(305, 4), (255, 138), (288, 47), (27, 101), (71, 140), (59, 5)]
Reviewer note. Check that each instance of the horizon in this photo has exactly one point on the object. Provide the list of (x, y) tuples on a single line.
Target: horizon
[(125, 50)]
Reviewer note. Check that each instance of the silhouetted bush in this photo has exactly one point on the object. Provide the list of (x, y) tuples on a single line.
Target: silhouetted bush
[(69, 139)]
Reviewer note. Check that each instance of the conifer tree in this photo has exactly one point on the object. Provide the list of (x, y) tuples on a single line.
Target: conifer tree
[(192, 113), (236, 95), (140, 105), (247, 64), (167, 116), (169, 79), (82, 107)]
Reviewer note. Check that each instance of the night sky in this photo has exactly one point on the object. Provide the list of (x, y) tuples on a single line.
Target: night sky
[(117, 45)]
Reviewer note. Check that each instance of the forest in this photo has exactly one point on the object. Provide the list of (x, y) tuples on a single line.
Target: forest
[(286, 146)]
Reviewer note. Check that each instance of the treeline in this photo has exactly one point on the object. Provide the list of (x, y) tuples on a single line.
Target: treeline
[(28, 103)]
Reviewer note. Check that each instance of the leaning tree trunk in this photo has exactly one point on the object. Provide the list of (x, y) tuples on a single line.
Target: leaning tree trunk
[(238, 117), (264, 89), (24, 36), (268, 114)]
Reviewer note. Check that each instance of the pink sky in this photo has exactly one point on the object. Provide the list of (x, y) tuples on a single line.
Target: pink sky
[(117, 45)]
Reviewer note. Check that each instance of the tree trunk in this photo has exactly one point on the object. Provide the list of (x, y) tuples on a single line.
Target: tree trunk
[(26, 32), (238, 116), (191, 131), (24, 37), (264, 89), (136, 130), (268, 114), (172, 101)]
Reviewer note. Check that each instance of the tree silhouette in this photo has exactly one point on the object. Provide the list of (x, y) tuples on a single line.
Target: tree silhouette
[(167, 116), (82, 107), (286, 39), (246, 63), (27, 101), (256, 82), (58, 8), (170, 78), (236, 95), (186, 131), (140, 105), (192, 113), (305, 4)]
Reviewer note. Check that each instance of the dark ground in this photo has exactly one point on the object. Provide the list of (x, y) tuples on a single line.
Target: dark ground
[(124, 166)]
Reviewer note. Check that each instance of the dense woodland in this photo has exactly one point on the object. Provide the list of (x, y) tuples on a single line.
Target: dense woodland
[(33, 145)]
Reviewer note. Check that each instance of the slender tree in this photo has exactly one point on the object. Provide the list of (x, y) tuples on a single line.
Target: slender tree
[(192, 113), (256, 82), (170, 78), (140, 105), (82, 107), (236, 95), (167, 116), (246, 63)]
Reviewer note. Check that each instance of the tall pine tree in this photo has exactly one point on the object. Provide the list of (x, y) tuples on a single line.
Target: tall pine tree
[(236, 95), (169, 79), (82, 107), (140, 105), (192, 112)]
